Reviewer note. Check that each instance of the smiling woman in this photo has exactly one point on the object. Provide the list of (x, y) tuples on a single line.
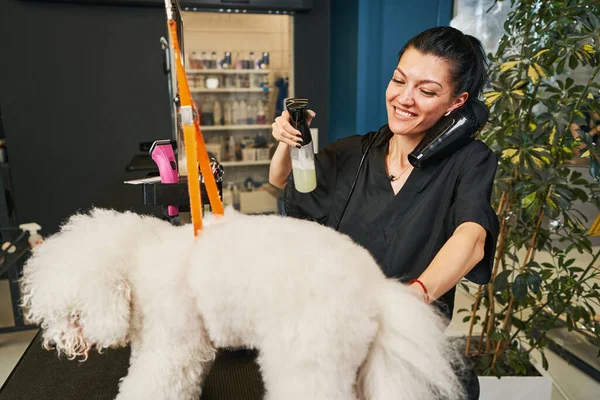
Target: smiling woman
[(428, 227)]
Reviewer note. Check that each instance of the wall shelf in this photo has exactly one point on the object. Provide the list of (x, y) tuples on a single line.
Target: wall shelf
[(228, 71), (209, 128), (230, 90), (244, 163)]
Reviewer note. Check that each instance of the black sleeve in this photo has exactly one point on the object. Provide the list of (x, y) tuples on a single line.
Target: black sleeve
[(314, 205), (471, 203)]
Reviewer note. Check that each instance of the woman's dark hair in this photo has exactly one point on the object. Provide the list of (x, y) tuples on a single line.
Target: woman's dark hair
[(464, 52)]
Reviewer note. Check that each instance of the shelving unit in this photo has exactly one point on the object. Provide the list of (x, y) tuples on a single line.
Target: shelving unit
[(239, 170), (209, 128), (212, 36), (228, 71), (230, 90), (245, 163)]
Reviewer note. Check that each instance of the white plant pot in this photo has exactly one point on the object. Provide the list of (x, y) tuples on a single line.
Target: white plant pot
[(515, 388)]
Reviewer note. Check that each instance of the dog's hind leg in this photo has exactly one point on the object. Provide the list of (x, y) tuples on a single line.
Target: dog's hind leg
[(172, 357), (301, 379), (319, 364)]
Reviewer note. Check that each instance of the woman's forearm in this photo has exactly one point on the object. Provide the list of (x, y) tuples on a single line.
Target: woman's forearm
[(281, 166), (459, 255)]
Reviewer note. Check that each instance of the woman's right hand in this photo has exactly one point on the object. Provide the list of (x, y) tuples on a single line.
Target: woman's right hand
[(284, 132)]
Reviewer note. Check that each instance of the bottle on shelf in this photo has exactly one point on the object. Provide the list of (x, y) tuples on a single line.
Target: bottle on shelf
[(195, 60), (254, 80), (198, 105), (229, 81), (236, 197), (250, 64), (228, 195), (203, 60), (207, 112), (227, 113), (235, 112), (226, 61), (237, 60), (231, 149), (243, 117), (217, 113), (213, 60), (264, 62), (250, 114), (200, 81), (261, 118)]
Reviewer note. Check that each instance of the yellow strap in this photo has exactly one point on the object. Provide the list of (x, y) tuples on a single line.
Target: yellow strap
[(195, 147)]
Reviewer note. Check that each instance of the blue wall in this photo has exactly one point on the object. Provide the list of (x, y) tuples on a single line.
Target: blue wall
[(366, 36), (343, 68)]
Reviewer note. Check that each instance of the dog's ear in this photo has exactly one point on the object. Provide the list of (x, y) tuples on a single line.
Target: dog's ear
[(107, 310)]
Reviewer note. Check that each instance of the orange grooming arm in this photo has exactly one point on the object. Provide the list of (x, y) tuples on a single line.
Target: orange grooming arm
[(194, 145)]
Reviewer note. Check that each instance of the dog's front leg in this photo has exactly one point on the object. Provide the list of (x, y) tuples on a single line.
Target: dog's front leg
[(170, 362)]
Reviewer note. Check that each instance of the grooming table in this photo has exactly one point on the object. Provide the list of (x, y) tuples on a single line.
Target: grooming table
[(39, 374)]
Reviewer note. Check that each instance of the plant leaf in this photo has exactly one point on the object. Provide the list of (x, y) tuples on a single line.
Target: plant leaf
[(572, 62), (491, 97), (519, 287), (519, 84), (544, 362), (528, 200), (533, 74), (540, 70), (561, 66), (552, 135), (508, 65), (501, 281), (534, 281), (588, 48)]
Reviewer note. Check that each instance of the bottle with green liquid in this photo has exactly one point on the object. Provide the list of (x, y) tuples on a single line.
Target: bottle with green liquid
[(303, 159)]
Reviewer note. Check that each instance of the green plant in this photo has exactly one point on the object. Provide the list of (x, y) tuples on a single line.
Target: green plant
[(534, 103)]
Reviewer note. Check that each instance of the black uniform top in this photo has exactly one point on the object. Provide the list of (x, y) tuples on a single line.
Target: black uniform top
[(405, 231)]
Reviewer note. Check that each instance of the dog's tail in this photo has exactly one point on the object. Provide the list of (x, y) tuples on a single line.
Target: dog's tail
[(410, 357)]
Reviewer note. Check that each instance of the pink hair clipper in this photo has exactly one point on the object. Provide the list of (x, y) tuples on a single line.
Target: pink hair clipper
[(162, 154)]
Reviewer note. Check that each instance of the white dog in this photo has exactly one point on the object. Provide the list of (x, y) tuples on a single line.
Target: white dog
[(327, 323)]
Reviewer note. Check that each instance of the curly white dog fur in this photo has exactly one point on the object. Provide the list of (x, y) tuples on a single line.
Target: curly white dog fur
[(327, 323)]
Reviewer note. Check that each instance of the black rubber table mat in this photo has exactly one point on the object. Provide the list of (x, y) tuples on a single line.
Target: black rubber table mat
[(41, 375)]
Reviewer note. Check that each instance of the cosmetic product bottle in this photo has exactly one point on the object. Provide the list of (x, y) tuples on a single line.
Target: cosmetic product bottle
[(264, 63), (243, 113), (227, 113), (231, 149), (236, 112), (261, 118), (250, 114), (217, 113)]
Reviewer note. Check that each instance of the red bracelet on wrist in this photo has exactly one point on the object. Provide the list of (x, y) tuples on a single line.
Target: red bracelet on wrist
[(423, 286)]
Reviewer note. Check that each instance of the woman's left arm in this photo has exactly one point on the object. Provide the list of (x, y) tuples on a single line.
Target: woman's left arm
[(459, 255), (471, 226)]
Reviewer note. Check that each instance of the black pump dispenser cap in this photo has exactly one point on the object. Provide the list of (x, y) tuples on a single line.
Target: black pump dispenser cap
[(297, 108)]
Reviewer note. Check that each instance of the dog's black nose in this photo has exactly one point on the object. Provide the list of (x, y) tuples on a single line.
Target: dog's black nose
[(52, 343)]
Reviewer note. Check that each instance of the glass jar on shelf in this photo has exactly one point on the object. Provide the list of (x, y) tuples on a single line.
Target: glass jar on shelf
[(207, 111), (195, 60)]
